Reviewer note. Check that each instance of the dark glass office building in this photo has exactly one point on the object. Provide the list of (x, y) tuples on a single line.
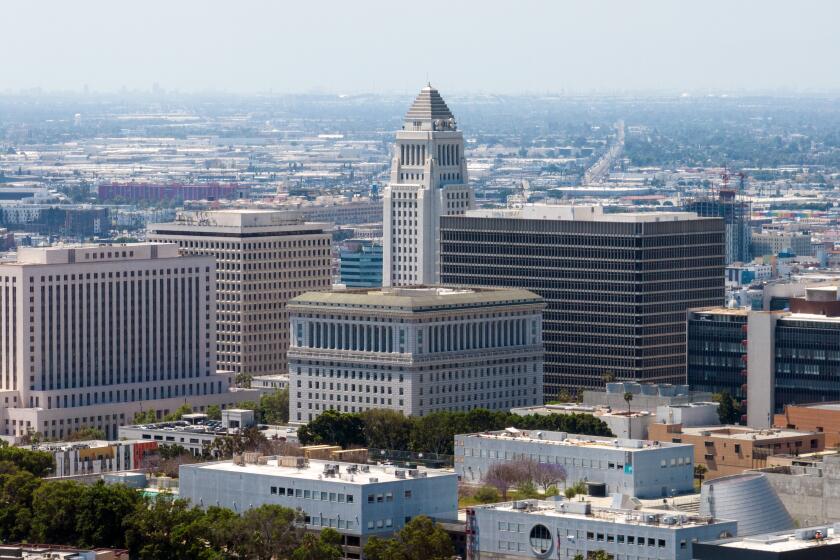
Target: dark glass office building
[(617, 286), (717, 351)]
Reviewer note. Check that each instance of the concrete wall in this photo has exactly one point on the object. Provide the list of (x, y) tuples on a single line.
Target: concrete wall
[(811, 496)]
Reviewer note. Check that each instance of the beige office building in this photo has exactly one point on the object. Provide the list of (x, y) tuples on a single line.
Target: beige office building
[(264, 258), (91, 335)]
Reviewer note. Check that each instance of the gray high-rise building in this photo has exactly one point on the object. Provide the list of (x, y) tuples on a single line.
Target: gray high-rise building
[(735, 212), (616, 286)]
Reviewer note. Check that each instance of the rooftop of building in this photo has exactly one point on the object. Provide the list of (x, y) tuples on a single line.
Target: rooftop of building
[(573, 440), (830, 406), (235, 219), (743, 433), (91, 253), (429, 107), (201, 425), (585, 213), (784, 541), (315, 469), (614, 509), (576, 408), (418, 298), (86, 444), (272, 377)]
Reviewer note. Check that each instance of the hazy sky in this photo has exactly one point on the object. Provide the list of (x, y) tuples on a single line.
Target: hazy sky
[(354, 46)]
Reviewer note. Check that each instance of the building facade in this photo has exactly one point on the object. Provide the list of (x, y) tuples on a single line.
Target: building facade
[(616, 286), (627, 466), (428, 180), (775, 242), (358, 501), (360, 263), (736, 214), (417, 350), (785, 357), (98, 457), (564, 529), (716, 350), (728, 450), (92, 335), (264, 259)]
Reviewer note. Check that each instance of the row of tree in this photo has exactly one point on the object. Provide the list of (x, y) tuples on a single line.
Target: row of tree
[(64, 512), (272, 408), (435, 432)]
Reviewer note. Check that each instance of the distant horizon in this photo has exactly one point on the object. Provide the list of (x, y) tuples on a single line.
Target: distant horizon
[(708, 93), (470, 47)]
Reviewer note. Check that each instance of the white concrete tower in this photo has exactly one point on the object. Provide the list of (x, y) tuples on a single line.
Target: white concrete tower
[(428, 180)]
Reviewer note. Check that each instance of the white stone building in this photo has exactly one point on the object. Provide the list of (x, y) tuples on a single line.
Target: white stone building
[(428, 180), (91, 335), (417, 350)]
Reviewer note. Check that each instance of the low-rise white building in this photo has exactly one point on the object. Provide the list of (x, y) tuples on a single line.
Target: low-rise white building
[(359, 501), (639, 468), (564, 529)]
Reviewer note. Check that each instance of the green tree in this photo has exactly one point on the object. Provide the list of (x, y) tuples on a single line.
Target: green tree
[(386, 429), (87, 433), (326, 546), (214, 412), (156, 530), (274, 407), (102, 509), (420, 539), (145, 417), (16, 490), (729, 411), (271, 532), (55, 505), (39, 463), (487, 495), (178, 413), (334, 428)]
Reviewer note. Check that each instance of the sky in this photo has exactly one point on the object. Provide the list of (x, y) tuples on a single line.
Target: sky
[(394, 46)]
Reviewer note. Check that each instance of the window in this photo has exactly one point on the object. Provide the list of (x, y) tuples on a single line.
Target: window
[(540, 539), (408, 493), (273, 489)]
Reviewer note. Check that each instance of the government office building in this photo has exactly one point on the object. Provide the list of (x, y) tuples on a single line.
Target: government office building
[(263, 258), (633, 467), (416, 350), (358, 501), (91, 335), (617, 286)]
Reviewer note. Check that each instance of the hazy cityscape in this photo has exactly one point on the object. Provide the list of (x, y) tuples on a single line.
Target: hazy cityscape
[(322, 282)]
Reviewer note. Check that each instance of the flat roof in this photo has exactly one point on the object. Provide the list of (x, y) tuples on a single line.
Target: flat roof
[(416, 297), (743, 433), (347, 473), (585, 213), (573, 440), (631, 512), (783, 541)]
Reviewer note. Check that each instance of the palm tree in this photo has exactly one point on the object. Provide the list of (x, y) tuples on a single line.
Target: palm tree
[(628, 397)]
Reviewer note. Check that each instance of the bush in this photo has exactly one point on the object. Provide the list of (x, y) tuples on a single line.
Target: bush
[(486, 495)]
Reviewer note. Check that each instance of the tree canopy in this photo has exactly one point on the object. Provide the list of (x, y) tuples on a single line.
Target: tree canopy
[(433, 433)]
